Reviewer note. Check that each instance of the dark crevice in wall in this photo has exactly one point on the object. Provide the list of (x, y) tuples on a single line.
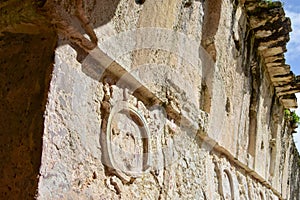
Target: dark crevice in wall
[(227, 106), (274, 120), (205, 101), (212, 12), (247, 53), (233, 21), (26, 64), (254, 102)]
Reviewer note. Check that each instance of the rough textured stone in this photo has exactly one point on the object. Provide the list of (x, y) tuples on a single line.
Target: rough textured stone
[(272, 28), (152, 100)]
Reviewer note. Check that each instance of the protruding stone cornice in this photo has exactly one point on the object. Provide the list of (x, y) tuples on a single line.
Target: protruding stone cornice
[(271, 30)]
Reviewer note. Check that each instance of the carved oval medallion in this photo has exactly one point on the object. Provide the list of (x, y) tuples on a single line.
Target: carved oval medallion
[(128, 141)]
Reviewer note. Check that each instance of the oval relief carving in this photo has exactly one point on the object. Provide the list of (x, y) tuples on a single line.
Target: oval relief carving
[(128, 141), (227, 185)]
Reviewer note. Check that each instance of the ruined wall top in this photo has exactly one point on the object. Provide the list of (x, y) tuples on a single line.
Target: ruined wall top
[(271, 29), (267, 22)]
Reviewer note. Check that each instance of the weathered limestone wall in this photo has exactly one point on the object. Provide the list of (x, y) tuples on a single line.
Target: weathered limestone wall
[(162, 100), (218, 132)]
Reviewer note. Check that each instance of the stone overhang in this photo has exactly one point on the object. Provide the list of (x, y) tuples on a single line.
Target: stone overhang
[(271, 30), (267, 21)]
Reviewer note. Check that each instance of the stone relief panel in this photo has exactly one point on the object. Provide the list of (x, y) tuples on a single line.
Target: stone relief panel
[(236, 183), (227, 185), (229, 180), (141, 147), (131, 145), (128, 141)]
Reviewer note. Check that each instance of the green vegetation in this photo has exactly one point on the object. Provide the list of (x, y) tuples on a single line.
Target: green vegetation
[(292, 116), (274, 4)]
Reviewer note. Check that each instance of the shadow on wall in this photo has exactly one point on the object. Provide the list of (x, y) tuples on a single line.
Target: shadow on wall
[(26, 65), (212, 11), (25, 68)]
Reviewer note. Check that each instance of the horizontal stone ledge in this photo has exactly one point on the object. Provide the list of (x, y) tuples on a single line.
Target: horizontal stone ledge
[(281, 41), (274, 64), (277, 72), (263, 33), (289, 75), (275, 24), (275, 35), (273, 51), (287, 92), (275, 77), (283, 88), (267, 8), (281, 83), (289, 101), (289, 96), (279, 57), (256, 22)]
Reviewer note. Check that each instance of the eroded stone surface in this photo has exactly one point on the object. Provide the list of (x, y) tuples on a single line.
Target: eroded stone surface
[(271, 27), (204, 115)]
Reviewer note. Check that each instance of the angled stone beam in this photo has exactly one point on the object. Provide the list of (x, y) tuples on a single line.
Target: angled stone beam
[(113, 73)]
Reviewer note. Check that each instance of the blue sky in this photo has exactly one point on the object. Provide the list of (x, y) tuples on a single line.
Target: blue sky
[(292, 10)]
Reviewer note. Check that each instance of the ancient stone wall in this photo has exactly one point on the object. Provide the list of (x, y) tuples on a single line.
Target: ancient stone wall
[(166, 100)]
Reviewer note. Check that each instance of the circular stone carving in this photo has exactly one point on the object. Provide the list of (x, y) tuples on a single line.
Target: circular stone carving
[(128, 141)]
